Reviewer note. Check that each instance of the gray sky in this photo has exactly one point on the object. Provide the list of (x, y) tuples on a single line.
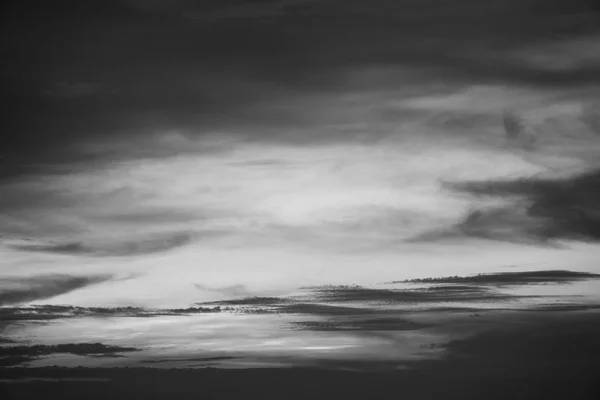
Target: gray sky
[(276, 143), (159, 157)]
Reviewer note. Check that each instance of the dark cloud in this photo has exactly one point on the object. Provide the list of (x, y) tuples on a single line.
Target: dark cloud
[(201, 359), (263, 301), (422, 295), (355, 324), (320, 301), (34, 313), (323, 309), (591, 116), (27, 289), (539, 210), (324, 300), (153, 244), (558, 307), (43, 313), (49, 312), (506, 278), (14, 355), (289, 305), (67, 248), (517, 133)]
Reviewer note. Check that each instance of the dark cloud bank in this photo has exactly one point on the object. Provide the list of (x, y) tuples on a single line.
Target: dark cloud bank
[(108, 69), (511, 278), (537, 210)]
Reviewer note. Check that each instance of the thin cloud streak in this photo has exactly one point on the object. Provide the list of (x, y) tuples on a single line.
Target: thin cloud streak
[(149, 245)]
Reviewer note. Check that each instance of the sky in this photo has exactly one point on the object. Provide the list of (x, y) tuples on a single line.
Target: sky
[(168, 152)]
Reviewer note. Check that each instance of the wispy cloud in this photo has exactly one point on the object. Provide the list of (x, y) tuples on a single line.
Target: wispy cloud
[(27, 289), (15, 355), (536, 209), (228, 291), (349, 294), (149, 245), (49, 312), (358, 324), (510, 278)]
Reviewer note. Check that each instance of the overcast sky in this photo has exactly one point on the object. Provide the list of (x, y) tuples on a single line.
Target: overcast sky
[(163, 150)]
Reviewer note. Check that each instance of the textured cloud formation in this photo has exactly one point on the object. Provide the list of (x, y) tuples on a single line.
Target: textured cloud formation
[(348, 300), (537, 209), (510, 278), (144, 74), (365, 326), (23, 290), (15, 355), (48, 312)]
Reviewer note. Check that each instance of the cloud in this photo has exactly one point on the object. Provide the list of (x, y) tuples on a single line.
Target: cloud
[(349, 294), (322, 309), (324, 300), (153, 244), (248, 301), (306, 46), (354, 324), (27, 289), (300, 136), (501, 224), (202, 359), (563, 352), (517, 133), (49, 312), (591, 116), (15, 355), (538, 208), (347, 305), (229, 291), (541, 210), (510, 278)]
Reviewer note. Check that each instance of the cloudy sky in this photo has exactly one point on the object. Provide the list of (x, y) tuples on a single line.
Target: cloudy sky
[(168, 152)]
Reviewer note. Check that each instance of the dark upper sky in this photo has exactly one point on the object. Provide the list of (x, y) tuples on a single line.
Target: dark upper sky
[(75, 70)]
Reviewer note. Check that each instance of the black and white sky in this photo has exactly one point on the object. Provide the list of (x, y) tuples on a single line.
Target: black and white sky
[(158, 153)]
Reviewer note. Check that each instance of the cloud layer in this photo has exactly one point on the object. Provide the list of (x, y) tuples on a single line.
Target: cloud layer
[(27, 289), (537, 209)]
